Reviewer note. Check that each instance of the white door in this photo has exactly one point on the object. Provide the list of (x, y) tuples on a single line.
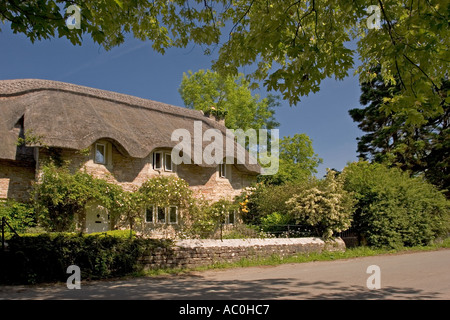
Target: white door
[(97, 218)]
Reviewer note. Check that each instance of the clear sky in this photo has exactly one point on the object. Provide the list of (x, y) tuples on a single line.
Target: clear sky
[(135, 69)]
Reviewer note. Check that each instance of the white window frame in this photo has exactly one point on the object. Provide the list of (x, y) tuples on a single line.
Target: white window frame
[(166, 162), (176, 215), (105, 156), (153, 214), (160, 160)]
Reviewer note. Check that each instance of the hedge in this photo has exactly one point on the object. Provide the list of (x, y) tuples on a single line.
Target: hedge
[(395, 209), (45, 258)]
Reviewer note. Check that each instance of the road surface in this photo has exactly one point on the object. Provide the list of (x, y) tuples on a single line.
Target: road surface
[(420, 275)]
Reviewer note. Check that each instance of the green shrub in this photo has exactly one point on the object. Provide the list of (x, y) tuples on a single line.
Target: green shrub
[(114, 233), (395, 209), (242, 231), (274, 222), (19, 215), (263, 200), (45, 257), (323, 205), (206, 218)]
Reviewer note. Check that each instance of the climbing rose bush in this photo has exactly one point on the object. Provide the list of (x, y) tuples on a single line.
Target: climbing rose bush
[(167, 191)]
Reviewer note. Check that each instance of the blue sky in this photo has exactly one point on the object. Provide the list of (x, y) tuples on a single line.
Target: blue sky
[(135, 69)]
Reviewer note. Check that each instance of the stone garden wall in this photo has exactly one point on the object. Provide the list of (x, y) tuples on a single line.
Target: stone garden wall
[(195, 253)]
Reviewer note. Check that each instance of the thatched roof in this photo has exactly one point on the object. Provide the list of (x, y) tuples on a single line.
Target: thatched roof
[(70, 116)]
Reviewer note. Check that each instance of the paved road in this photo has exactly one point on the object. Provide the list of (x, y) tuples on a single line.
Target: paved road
[(423, 275)]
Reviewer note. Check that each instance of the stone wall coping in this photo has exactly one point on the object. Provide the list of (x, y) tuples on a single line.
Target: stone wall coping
[(205, 243)]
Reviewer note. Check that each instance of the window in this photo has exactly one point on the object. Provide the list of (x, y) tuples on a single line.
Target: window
[(168, 162), (100, 153), (161, 212), (163, 160), (231, 217), (173, 214), (222, 170), (161, 215), (157, 161), (149, 214)]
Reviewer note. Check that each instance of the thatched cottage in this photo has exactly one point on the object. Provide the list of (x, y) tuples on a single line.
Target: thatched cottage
[(125, 139)]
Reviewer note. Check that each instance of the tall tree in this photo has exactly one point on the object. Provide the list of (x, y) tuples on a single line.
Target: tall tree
[(392, 139), (293, 45), (231, 96), (298, 161)]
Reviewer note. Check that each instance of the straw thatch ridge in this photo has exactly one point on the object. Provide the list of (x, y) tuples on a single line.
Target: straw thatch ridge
[(70, 116)]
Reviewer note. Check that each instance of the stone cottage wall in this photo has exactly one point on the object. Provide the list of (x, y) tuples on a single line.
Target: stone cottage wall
[(16, 178), (131, 173), (195, 253)]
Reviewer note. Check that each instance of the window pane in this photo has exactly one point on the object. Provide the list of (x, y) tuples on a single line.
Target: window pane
[(161, 215), (222, 170), (99, 153), (168, 162), (231, 217), (149, 214), (173, 215), (157, 160)]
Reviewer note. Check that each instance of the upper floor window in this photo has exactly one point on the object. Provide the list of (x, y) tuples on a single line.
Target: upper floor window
[(222, 170), (157, 160), (168, 162), (163, 161), (100, 153)]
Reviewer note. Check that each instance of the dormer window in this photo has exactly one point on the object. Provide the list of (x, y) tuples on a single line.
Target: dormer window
[(168, 162), (222, 170), (100, 153), (157, 161), (163, 161)]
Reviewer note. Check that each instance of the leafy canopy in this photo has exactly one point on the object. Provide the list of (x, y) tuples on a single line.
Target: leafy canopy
[(291, 45), (298, 161), (231, 96), (391, 139)]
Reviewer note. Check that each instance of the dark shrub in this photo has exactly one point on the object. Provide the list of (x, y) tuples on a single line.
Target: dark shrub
[(44, 258)]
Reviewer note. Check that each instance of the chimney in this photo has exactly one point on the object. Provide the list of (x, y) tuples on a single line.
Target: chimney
[(216, 115)]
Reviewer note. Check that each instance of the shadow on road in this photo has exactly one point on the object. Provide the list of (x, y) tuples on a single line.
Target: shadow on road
[(197, 287)]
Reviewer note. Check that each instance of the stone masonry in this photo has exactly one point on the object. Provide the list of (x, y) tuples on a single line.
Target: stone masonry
[(131, 173), (195, 253), (15, 180)]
